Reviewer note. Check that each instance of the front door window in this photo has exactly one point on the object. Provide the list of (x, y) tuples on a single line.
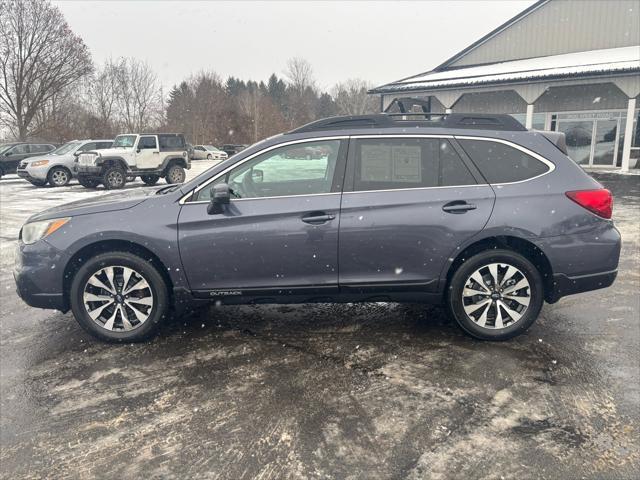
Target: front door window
[(298, 169)]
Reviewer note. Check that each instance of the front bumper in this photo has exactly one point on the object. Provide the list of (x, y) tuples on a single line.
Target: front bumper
[(39, 275), (88, 170), (33, 174)]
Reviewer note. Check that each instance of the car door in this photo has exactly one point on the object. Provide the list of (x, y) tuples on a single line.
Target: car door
[(147, 152), (280, 231), (412, 201)]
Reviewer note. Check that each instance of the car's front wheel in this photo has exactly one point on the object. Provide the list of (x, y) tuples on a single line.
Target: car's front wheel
[(59, 177), (495, 295), (119, 297), (114, 178)]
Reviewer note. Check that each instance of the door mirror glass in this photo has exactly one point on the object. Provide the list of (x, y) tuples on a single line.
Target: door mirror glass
[(220, 196)]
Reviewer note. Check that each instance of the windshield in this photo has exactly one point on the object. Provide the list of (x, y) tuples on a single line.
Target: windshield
[(125, 141), (211, 148), (66, 148)]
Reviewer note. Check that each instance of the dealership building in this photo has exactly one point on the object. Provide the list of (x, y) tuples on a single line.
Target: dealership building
[(571, 66)]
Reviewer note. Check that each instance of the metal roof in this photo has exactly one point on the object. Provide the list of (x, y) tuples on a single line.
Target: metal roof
[(578, 64)]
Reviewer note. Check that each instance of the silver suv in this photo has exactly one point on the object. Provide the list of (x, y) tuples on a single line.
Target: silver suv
[(148, 156), (57, 167)]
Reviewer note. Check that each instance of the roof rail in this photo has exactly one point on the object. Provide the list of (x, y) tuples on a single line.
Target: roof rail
[(476, 121)]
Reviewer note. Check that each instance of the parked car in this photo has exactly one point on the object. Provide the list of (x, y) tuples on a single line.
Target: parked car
[(150, 156), (58, 167), (232, 149), (306, 153), (208, 152), (473, 212), (11, 154)]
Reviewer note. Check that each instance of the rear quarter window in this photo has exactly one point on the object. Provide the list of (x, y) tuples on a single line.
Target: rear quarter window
[(171, 142), (500, 163)]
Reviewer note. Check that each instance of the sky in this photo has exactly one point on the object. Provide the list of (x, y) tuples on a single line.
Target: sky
[(376, 41)]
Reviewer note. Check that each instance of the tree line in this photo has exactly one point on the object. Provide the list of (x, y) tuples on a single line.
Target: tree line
[(50, 89)]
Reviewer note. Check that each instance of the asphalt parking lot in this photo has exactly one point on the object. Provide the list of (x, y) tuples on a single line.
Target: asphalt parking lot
[(323, 391)]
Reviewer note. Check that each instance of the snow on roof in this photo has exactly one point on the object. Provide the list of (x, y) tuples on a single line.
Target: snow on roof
[(611, 60)]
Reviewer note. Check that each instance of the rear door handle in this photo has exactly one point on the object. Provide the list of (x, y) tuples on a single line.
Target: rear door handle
[(458, 206), (318, 218)]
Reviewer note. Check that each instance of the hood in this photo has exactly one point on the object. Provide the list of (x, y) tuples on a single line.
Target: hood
[(43, 157), (107, 152), (102, 203)]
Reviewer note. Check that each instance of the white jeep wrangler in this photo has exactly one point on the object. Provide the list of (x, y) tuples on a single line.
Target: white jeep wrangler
[(148, 156)]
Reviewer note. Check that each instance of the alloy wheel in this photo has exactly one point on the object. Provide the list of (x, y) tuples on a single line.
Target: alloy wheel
[(118, 298), (115, 178), (496, 296), (60, 177)]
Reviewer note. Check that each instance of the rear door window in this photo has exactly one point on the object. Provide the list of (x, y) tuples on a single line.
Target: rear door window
[(400, 163), (500, 163)]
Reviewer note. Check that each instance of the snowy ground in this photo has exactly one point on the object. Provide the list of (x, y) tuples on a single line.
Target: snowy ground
[(323, 391)]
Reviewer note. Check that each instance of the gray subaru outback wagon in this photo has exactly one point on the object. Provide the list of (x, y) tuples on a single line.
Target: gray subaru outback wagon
[(470, 211)]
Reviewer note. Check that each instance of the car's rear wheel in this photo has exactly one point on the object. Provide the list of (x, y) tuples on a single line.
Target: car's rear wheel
[(114, 178), (495, 295), (59, 177), (175, 174), (119, 297), (150, 179), (88, 182)]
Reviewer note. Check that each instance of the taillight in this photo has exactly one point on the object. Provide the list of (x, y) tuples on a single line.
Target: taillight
[(598, 201)]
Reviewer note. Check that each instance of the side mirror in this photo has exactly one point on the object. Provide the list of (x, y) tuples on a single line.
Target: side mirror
[(220, 196), (77, 154), (8, 154), (257, 175), (138, 150)]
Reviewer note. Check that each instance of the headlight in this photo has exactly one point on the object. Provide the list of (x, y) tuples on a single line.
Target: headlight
[(39, 163), (34, 231)]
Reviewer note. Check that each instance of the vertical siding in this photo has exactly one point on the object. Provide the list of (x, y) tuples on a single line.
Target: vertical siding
[(562, 26)]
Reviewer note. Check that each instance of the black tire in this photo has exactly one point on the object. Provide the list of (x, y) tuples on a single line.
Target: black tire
[(1, 172), (175, 174), (37, 183), (150, 179), (158, 287), (88, 182), (114, 178), (209, 157), (59, 177), (535, 290)]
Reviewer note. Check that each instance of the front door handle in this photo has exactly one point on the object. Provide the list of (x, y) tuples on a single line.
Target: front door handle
[(458, 206), (317, 217)]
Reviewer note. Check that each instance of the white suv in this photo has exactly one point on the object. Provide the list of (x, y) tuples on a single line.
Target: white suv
[(148, 156)]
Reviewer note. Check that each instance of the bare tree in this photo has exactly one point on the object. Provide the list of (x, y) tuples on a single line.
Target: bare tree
[(39, 57), (351, 97), (300, 74), (102, 96), (138, 94)]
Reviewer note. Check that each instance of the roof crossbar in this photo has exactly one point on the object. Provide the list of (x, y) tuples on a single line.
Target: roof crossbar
[(474, 121)]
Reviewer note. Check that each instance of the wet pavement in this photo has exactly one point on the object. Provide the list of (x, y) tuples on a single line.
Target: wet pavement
[(324, 391)]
